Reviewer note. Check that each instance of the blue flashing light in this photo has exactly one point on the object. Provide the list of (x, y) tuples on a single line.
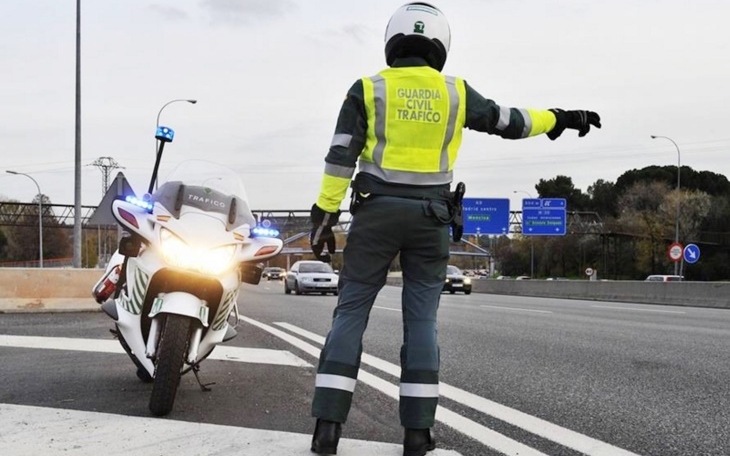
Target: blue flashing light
[(144, 204), (260, 231), (165, 134)]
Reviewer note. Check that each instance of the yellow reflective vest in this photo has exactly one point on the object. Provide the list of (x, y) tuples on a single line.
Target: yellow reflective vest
[(415, 118)]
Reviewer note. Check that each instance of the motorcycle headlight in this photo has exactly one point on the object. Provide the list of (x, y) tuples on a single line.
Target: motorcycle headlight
[(207, 261)]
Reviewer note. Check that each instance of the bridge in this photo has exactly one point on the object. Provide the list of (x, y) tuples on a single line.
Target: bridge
[(293, 224)]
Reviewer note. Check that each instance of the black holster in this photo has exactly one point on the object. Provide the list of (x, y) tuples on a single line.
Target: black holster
[(456, 208), (356, 200)]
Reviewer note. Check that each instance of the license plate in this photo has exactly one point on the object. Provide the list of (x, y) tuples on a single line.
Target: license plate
[(457, 285), (323, 285)]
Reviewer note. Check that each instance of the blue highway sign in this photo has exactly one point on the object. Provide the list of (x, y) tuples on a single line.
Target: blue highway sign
[(691, 253), (486, 215), (543, 216)]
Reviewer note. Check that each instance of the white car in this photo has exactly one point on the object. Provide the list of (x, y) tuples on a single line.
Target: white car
[(664, 278), (311, 276)]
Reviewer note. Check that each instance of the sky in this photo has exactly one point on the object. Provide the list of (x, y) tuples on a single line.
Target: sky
[(270, 76)]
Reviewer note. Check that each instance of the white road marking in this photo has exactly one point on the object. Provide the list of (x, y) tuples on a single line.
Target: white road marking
[(386, 308), (537, 426), (221, 352), (639, 310), (36, 431), (518, 309), (464, 425)]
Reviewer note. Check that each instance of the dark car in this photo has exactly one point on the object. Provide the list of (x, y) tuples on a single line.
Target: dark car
[(311, 276), (273, 273), (456, 281)]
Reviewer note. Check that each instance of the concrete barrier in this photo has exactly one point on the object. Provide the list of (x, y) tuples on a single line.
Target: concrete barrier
[(69, 290), (699, 294), (47, 289)]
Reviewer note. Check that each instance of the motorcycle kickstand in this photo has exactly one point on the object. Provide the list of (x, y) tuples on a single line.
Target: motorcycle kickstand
[(203, 386)]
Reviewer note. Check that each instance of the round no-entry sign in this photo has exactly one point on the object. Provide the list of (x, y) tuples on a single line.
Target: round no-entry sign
[(675, 251)]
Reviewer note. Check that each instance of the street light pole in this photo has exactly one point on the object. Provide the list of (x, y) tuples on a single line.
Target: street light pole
[(532, 243), (40, 215), (679, 167), (169, 103)]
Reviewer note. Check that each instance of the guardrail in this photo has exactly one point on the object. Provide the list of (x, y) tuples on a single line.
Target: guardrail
[(34, 289), (699, 294)]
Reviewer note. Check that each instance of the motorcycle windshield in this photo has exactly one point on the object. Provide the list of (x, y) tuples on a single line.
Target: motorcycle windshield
[(206, 186)]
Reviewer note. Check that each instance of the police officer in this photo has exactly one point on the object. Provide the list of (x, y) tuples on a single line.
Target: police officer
[(402, 128)]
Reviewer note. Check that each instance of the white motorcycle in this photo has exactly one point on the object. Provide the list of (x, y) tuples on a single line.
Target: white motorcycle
[(175, 279)]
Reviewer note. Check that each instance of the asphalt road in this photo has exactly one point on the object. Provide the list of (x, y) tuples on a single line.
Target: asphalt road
[(519, 375)]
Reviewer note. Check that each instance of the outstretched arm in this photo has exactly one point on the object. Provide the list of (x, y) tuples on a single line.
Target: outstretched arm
[(485, 115)]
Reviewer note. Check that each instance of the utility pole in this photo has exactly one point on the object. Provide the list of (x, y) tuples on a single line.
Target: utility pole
[(106, 165), (77, 145)]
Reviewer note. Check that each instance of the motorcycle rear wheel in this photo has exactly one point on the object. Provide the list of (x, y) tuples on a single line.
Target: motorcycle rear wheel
[(171, 353)]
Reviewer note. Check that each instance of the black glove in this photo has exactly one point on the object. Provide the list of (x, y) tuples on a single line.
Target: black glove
[(576, 120), (322, 223)]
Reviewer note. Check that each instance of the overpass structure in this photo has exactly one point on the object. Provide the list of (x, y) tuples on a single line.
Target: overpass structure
[(289, 221), (293, 224)]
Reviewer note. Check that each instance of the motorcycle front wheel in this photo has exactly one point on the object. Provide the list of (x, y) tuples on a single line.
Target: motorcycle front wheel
[(171, 353)]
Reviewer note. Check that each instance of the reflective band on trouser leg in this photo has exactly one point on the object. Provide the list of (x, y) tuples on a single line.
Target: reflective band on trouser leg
[(336, 382), (419, 395), (419, 390), (334, 386)]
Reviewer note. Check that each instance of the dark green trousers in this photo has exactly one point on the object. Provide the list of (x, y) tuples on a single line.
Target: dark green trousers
[(382, 228)]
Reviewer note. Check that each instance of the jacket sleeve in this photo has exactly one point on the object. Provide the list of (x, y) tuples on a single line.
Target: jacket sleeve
[(345, 148), (487, 116)]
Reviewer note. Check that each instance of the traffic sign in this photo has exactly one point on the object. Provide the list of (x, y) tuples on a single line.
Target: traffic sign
[(589, 272), (675, 251), (543, 216), (691, 253), (486, 215)]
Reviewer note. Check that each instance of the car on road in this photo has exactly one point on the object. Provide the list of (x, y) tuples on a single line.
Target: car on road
[(311, 276), (664, 278), (456, 281), (273, 273)]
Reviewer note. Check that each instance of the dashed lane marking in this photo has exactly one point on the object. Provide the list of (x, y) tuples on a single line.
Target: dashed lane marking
[(537, 426)]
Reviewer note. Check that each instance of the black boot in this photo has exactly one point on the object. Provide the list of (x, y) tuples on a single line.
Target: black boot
[(417, 442), (326, 437)]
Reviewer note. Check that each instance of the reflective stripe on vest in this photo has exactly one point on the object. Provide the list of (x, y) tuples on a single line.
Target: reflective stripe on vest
[(417, 117)]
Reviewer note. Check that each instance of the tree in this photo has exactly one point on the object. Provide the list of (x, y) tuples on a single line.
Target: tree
[(3, 245), (562, 187), (645, 213), (694, 206), (22, 242), (604, 198)]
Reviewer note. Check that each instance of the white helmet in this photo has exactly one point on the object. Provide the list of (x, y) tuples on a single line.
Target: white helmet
[(418, 30)]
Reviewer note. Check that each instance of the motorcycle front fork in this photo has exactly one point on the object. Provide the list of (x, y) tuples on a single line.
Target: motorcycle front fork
[(154, 338)]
